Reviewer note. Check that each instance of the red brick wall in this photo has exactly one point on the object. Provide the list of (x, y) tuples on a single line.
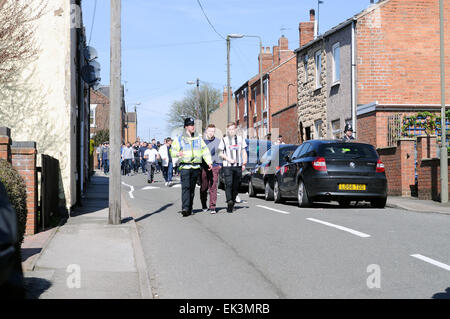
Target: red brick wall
[(398, 53), (286, 124), (101, 111), (429, 184), (279, 80), (399, 165), (366, 129), (24, 161)]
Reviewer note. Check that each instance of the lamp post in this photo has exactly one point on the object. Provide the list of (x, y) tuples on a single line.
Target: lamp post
[(444, 151), (237, 36)]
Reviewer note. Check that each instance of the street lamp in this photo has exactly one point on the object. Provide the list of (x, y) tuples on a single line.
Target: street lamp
[(238, 36)]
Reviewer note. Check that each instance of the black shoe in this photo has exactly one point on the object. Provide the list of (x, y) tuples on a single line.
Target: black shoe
[(230, 206), (185, 213)]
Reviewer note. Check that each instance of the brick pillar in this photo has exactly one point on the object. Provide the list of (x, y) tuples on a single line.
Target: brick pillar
[(5, 144), (24, 161), (426, 147), (405, 151)]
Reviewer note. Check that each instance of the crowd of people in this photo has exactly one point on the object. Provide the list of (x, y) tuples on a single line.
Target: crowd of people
[(148, 158)]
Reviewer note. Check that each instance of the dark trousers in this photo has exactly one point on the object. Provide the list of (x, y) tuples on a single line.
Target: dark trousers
[(168, 172), (105, 165), (188, 181), (232, 176), (144, 165), (209, 185), (136, 164), (151, 171), (127, 165)]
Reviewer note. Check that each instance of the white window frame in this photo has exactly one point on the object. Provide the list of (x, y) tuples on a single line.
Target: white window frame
[(93, 108), (336, 79), (245, 102), (305, 66), (266, 95), (254, 100), (318, 58), (237, 106), (336, 132), (318, 129)]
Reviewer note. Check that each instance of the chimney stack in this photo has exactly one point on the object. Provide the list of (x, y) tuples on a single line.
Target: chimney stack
[(306, 29), (267, 59), (276, 55)]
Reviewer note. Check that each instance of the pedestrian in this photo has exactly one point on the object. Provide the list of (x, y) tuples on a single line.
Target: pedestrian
[(190, 149), (128, 158), (279, 140), (98, 152), (137, 159), (142, 150), (105, 157), (167, 162), (232, 151), (151, 156), (209, 178), (348, 133)]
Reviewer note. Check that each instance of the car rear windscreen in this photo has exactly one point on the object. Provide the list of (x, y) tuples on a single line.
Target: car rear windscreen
[(347, 150)]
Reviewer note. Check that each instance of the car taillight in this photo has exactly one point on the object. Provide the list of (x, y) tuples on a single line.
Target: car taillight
[(380, 167), (278, 168), (319, 164)]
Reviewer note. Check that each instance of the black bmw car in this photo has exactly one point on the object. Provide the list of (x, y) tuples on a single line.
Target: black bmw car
[(321, 170), (262, 175)]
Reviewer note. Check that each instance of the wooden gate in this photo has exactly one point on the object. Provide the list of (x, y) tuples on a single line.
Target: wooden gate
[(49, 189)]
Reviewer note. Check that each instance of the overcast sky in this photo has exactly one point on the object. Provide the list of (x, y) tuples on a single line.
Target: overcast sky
[(166, 43)]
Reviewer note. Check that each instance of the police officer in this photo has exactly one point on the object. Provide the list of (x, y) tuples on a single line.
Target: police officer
[(190, 150), (348, 133)]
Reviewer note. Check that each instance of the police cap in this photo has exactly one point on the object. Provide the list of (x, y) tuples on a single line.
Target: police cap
[(189, 121)]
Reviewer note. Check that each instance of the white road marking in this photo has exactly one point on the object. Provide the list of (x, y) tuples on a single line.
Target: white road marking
[(432, 261), (351, 231), (150, 187), (131, 189), (275, 210)]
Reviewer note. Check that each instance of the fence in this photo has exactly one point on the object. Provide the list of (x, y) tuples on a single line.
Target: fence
[(49, 189)]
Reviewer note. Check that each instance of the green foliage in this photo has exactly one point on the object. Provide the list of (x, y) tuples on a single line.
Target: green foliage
[(100, 137), (426, 120), (17, 194)]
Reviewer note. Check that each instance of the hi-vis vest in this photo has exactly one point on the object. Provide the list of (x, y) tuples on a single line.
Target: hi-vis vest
[(194, 149)]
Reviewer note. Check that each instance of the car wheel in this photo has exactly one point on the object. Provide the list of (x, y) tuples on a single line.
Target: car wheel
[(302, 195), (268, 191), (344, 202), (277, 193), (379, 202), (251, 190)]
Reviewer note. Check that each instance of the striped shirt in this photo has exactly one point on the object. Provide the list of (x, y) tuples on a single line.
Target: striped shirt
[(233, 148)]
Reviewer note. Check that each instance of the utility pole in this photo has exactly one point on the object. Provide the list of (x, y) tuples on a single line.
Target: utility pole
[(444, 151), (228, 80), (115, 114)]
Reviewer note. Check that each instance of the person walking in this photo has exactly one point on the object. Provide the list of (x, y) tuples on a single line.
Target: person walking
[(232, 151), (105, 157), (190, 149), (98, 152), (137, 160), (128, 158), (142, 150), (209, 178), (348, 133), (151, 156), (167, 162)]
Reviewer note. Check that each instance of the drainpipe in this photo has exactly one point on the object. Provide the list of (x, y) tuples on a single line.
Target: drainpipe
[(354, 80), (268, 104)]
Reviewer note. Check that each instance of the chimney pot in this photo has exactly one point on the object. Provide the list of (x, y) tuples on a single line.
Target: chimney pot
[(312, 15)]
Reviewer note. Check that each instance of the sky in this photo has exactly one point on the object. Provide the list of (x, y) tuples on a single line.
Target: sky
[(166, 43)]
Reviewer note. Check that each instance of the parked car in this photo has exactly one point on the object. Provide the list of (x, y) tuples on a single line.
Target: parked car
[(255, 149), (322, 170), (262, 176)]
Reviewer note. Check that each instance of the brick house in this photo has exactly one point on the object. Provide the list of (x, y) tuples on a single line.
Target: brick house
[(279, 82), (219, 116), (130, 127), (398, 64), (99, 112)]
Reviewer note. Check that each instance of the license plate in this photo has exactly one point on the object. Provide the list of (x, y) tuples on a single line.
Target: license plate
[(352, 187)]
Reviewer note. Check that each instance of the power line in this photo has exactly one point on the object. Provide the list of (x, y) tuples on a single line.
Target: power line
[(92, 24), (204, 13)]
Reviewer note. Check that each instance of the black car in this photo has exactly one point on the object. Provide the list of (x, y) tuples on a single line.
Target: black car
[(262, 176), (321, 170), (255, 149)]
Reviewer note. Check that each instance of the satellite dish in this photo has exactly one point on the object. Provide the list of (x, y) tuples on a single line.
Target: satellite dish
[(89, 74), (90, 53), (96, 65)]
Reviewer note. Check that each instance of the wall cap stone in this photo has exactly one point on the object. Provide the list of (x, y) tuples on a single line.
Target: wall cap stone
[(5, 131), (23, 144)]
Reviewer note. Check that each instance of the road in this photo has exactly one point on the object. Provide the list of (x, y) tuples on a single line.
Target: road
[(268, 250)]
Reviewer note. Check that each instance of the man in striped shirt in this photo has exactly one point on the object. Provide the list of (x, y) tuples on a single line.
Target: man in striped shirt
[(232, 151)]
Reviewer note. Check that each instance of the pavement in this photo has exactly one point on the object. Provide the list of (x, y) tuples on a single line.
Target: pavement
[(417, 205), (85, 257)]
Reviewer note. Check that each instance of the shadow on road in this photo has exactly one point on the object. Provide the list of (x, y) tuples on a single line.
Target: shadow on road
[(35, 287), (163, 208), (442, 295)]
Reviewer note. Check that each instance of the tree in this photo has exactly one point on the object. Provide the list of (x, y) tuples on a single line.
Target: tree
[(188, 106), (100, 137)]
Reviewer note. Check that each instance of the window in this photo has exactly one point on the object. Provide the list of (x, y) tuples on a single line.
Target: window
[(336, 128), (318, 62), (92, 115), (336, 63), (245, 102), (318, 129), (265, 84), (298, 151), (305, 151), (305, 67)]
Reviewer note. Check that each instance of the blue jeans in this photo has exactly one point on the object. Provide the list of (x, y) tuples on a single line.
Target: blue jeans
[(143, 165), (167, 172), (105, 165)]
